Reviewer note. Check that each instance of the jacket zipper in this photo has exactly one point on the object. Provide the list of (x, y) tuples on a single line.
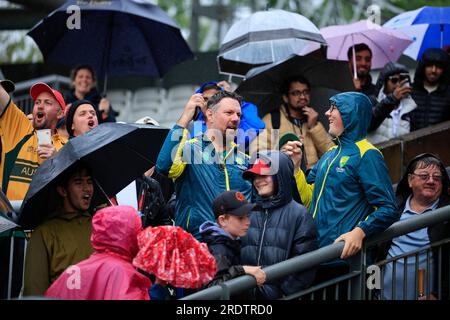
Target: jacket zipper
[(262, 236), (325, 178)]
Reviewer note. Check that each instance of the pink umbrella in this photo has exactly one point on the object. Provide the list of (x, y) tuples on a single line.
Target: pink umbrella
[(386, 44)]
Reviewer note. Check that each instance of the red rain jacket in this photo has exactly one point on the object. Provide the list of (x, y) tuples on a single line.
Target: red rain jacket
[(108, 273)]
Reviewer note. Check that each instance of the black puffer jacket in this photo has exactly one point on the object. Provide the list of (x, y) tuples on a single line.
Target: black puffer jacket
[(432, 108), (284, 229), (383, 108)]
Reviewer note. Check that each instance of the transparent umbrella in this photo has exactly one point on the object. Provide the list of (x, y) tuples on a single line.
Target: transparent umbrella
[(266, 37)]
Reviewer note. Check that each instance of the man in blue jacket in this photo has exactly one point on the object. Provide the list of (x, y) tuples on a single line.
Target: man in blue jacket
[(349, 191), (206, 165)]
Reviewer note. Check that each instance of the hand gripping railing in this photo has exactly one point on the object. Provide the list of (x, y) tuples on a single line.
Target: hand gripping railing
[(322, 255)]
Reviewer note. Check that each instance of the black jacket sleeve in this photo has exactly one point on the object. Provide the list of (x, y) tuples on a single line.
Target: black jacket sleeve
[(381, 111)]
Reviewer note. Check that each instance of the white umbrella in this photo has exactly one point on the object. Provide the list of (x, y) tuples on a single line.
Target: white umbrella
[(266, 37)]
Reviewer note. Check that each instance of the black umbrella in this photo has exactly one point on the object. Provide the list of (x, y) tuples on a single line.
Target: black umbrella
[(116, 153), (263, 85), (117, 38)]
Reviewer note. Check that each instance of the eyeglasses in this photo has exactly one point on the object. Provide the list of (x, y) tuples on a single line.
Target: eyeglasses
[(298, 93), (425, 176), (332, 107)]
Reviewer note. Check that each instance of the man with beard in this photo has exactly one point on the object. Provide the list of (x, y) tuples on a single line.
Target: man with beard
[(363, 59), (206, 165), (299, 117), (21, 152), (431, 90), (64, 239)]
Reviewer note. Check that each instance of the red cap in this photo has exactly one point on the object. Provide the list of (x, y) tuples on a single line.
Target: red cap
[(259, 167), (38, 88)]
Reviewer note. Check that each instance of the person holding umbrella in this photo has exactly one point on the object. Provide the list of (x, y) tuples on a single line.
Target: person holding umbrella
[(208, 164), (363, 62), (21, 148), (83, 82), (63, 239)]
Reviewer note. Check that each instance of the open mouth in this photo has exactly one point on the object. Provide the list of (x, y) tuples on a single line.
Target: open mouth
[(91, 123), (87, 197), (40, 115)]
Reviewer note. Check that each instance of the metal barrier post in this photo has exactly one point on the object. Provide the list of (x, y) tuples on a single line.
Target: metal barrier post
[(357, 284), (11, 262)]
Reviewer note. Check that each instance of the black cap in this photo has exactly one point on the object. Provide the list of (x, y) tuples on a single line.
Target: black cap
[(232, 202), (8, 85), (71, 113)]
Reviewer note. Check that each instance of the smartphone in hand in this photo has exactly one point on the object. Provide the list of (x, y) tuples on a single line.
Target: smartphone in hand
[(44, 136)]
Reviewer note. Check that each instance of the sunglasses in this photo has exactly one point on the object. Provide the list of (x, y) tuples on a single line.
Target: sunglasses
[(399, 78)]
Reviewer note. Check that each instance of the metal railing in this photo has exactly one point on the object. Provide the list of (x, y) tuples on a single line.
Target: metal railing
[(356, 279)]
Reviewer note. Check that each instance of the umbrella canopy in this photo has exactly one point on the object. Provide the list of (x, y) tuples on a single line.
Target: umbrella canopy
[(175, 256), (428, 27), (263, 85), (116, 153), (266, 37), (121, 37), (386, 44)]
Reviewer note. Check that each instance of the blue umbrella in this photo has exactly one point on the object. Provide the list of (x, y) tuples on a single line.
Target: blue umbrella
[(117, 38), (429, 27)]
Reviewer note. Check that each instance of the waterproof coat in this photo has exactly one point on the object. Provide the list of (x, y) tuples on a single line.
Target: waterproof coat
[(108, 273), (200, 175), (282, 230), (350, 185)]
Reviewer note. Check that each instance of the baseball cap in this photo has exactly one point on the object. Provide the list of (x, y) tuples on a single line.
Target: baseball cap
[(259, 167), (8, 85), (232, 202), (289, 136), (38, 88)]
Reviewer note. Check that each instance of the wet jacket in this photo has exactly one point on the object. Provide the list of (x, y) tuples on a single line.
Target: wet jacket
[(350, 185), (432, 107), (225, 250), (108, 274), (282, 230), (200, 175)]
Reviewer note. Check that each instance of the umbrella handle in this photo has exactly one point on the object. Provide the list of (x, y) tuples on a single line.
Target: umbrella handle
[(355, 75)]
